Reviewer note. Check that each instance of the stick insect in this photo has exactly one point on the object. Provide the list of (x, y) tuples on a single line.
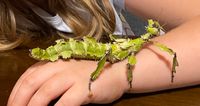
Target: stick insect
[(117, 50)]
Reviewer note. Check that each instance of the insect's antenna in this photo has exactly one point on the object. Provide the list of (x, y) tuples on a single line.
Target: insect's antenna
[(163, 25), (112, 38), (158, 20), (158, 16)]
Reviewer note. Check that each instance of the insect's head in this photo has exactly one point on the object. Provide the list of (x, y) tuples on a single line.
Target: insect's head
[(154, 27)]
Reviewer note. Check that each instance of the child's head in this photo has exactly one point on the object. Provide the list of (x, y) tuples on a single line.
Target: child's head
[(85, 17)]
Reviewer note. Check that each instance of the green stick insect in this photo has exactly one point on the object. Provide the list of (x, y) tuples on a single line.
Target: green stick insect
[(117, 50)]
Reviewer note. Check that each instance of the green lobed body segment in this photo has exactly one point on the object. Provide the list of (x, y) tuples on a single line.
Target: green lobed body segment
[(88, 49)]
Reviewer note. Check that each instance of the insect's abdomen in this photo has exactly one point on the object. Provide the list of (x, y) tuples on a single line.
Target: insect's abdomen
[(87, 50), (71, 49)]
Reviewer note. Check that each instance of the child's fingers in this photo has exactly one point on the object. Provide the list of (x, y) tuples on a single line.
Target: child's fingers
[(20, 80), (75, 96), (31, 84), (53, 88)]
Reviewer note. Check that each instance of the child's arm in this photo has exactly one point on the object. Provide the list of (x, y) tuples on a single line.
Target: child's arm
[(183, 40), (152, 71), (169, 12)]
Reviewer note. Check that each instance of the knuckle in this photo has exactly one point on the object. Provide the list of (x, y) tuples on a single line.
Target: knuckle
[(46, 92), (42, 97), (37, 101), (29, 82), (62, 102)]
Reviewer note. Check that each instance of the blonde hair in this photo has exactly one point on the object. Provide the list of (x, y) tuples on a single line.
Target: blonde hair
[(100, 20)]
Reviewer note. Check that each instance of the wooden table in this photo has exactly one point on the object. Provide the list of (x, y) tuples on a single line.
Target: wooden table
[(14, 63)]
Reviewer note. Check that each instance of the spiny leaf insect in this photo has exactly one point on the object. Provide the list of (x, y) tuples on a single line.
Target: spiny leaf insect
[(117, 50)]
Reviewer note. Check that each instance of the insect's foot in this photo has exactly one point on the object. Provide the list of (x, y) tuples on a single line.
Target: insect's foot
[(90, 94), (172, 77), (130, 84)]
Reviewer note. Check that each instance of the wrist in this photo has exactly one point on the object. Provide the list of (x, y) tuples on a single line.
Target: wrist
[(121, 70)]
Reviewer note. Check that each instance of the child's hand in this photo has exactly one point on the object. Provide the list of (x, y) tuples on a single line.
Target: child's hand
[(44, 82)]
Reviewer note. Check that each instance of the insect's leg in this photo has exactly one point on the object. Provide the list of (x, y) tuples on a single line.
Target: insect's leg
[(175, 64), (171, 52), (129, 74), (98, 70), (130, 65)]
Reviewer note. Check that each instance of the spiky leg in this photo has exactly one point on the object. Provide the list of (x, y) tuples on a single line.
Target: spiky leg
[(130, 65), (98, 71), (129, 74), (175, 64), (171, 52)]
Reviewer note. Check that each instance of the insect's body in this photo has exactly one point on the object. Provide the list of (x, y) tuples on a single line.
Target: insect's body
[(117, 50), (89, 49)]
